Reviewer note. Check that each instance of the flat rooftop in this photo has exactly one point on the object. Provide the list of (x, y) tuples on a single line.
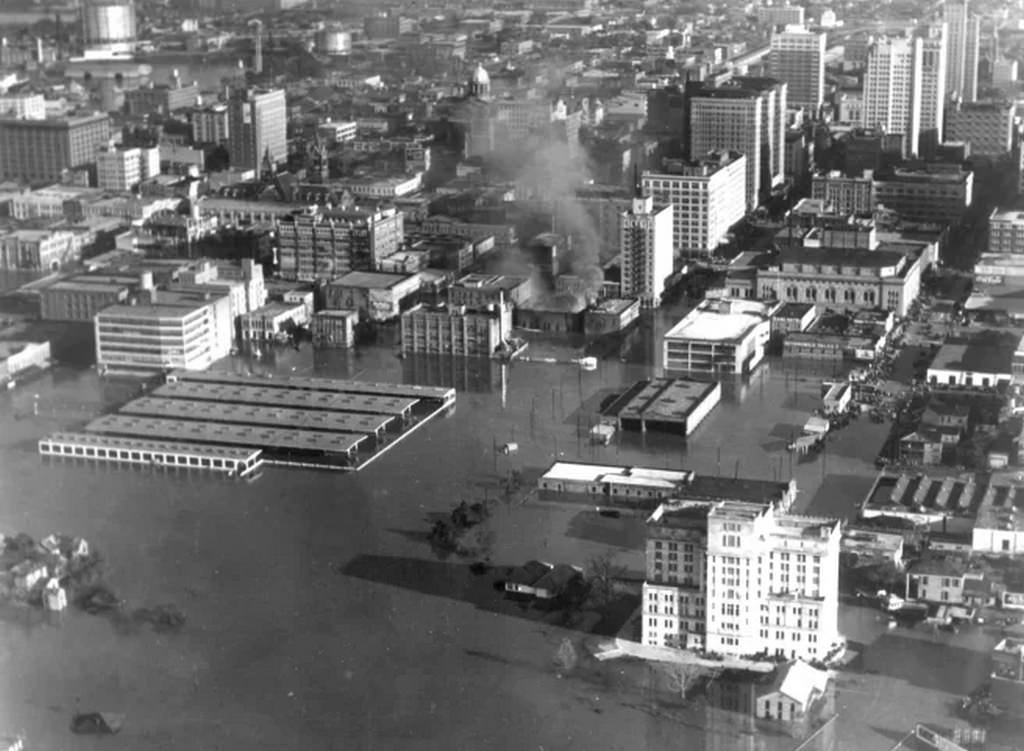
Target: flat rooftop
[(1002, 505), (664, 399), (307, 383), (370, 280), (615, 305), (959, 495), (250, 414), (713, 326), (138, 444), (149, 312), (327, 401), (985, 352), (582, 472), (218, 433)]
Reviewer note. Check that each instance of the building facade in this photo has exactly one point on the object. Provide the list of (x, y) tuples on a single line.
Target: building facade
[(257, 123), (738, 578), (328, 244), (40, 150), (798, 58), (707, 197), (719, 337), (932, 91), (964, 41), (455, 330), (846, 195), (939, 193), (1006, 231), (119, 169), (155, 337), (646, 247), (891, 84), (987, 126)]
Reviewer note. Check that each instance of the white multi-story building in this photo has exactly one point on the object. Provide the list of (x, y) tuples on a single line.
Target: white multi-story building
[(934, 71), (739, 578), (120, 169), (964, 41), (719, 337), (846, 195), (891, 83), (646, 247), (746, 115), (1006, 231), (155, 337), (780, 15), (798, 58), (23, 106), (707, 196), (210, 124)]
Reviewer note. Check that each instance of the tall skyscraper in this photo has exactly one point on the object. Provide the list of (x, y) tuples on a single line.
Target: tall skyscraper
[(964, 36), (798, 58), (891, 84), (747, 115), (646, 245), (257, 123), (934, 65)]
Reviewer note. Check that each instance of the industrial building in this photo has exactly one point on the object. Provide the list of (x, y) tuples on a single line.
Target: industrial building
[(455, 330), (375, 295), (738, 578), (719, 337), (334, 328), (672, 405), (326, 244)]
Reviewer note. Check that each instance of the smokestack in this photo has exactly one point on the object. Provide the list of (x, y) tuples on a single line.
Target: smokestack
[(638, 189)]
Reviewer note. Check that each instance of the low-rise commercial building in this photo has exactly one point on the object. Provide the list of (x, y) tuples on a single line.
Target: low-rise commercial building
[(20, 357), (977, 361), (609, 315), (455, 330), (155, 337), (376, 296), (936, 193), (81, 297), (317, 244), (38, 250), (1005, 232), (272, 322), (666, 404), (334, 328), (719, 337), (846, 195)]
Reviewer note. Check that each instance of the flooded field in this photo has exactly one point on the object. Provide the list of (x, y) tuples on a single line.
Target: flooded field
[(318, 616)]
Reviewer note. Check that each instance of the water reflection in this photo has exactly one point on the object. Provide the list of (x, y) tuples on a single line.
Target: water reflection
[(479, 375)]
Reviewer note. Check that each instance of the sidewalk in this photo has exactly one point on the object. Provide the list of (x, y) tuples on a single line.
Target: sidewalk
[(626, 648)]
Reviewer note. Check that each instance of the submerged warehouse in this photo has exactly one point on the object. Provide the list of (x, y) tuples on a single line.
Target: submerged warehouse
[(210, 420)]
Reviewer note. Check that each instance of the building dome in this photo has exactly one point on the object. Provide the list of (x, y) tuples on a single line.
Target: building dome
[(480, 83), (480, 77)]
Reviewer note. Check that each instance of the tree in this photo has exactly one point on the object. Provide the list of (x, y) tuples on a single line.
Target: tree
[(602, 572), (683, 677)]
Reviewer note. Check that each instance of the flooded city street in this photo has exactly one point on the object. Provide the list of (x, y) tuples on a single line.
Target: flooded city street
[(317, 615)]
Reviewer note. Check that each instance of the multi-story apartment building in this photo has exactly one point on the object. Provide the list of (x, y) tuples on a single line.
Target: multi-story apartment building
[(964, 40), (455, 330), (646, 245), (707, 196), (738, 578), (23, 106), (937, 193), (846, 195), (891, 84), (210, 124), (257, 121), (40, 150), (798, 58), (328, 244), (987, 126), (1006, 231), (120, 169), (746, 115)]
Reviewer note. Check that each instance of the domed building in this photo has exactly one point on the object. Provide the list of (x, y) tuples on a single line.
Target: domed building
[(480, 83)]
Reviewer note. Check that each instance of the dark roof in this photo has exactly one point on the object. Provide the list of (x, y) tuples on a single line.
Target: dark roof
[(528, 574)]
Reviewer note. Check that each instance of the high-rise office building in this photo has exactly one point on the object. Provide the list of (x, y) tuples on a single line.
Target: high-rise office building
[(934, 72), (257, 123), (798, 58), (739, 578), (646, 244), (747, 115), (891, 84), (40, 150), (708, 196), (964, 39)]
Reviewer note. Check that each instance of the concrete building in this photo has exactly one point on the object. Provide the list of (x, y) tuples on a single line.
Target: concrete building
[(935, 193), (746, 115), (646, 248), (37, 250), (739, 578), (846, 195), (932, 91), (1004, 75), (23, 106), (155, 337), (780, 15), (982, 360), (1006, 231), (257, 122), (999, 524), (119, 169), (20, 357), (210, 125), (798, 58), (672, 405), (162, 98), (719, 337), (891, 85), (272, 322), (334, 328), (326, 244), (708, 196), (964, 40), (39, 151), (376, 296), (455, 330), (987, 126), (82, 297)]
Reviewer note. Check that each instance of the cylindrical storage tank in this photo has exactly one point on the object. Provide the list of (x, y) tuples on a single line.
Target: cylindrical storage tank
[(333, 42), (108, 22)]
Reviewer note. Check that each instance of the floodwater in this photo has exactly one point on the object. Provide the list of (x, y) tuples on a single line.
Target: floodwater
[(317, 615)]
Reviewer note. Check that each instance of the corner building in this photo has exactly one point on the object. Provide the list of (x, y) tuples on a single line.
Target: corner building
[(738, 578)]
